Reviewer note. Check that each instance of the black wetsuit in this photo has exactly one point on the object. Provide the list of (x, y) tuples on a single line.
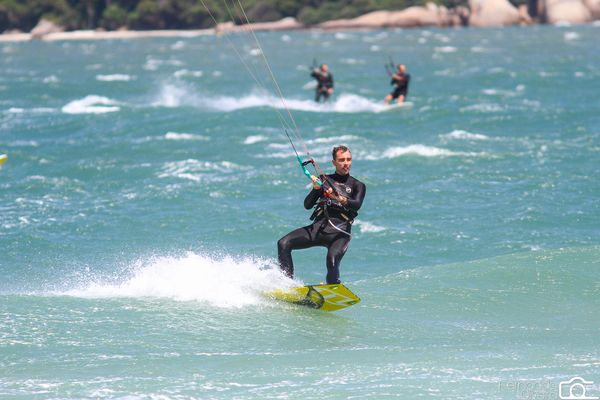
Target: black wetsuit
[(401, 86), (324, 83), (328, 215)]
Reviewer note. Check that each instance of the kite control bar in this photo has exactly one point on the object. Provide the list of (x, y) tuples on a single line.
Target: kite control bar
[(303, 164)]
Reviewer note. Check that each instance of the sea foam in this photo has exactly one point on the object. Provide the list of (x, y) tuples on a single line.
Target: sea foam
[(220, 281), (91, 104), (417, 150), (179, 95), (114, 77)]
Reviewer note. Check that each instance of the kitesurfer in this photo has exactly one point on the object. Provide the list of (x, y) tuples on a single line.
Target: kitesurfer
[(337, 198), (324, 82), (400, 79)]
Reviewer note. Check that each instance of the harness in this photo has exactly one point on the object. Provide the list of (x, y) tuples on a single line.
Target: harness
[(321, 210)]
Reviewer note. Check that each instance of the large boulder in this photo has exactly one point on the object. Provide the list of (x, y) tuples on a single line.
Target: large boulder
[(375, 19), (567, 11), (45, 27), (594, 7), (430, 15), (524, 15), (493, 13)]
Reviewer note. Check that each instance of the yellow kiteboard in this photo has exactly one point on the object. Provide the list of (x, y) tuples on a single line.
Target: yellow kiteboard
[(3, 158), (331, 297)]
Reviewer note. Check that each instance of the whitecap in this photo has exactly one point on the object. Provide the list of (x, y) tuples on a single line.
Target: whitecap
[(477, 49), (255, 52), (171, 96), (184, 136), (198, 171), (91, 104), (415, 149), (334, 139), (368, 227), (446, 49), (255, 139), (178, 45), (569, 36), (152, 64), (114, 78), (184, 72), (484, 108), (351, 61), (464, 135)]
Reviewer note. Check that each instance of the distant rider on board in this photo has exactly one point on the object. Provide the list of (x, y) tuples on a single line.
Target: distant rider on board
[(400, 79), (337, 203), (324, 82)]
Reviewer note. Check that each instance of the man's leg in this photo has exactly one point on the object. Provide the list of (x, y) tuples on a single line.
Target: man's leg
[(335, 252), (301, 238)]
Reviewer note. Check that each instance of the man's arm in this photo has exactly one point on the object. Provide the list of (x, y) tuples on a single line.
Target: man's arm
[(355, 202), (311, 198)]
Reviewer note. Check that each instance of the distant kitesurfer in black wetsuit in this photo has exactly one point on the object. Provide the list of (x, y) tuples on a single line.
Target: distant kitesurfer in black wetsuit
[(401, 80), (337, 203), (324, 82)]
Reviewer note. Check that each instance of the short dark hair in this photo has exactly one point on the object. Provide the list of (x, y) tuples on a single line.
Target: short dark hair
[(341, 148)]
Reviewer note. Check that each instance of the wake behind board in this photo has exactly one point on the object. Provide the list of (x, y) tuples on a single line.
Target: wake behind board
[(330, 297)]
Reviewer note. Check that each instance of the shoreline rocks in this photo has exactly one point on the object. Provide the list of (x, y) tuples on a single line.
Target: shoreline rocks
[(45, 27), (493, 13), (479, 13), (566, 11)]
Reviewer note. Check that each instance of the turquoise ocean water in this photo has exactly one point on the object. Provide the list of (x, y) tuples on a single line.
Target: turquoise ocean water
[(149, 180)]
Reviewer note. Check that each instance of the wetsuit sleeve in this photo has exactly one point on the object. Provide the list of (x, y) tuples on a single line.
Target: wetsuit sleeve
[(311, 198), (331, 80), (354, 203)]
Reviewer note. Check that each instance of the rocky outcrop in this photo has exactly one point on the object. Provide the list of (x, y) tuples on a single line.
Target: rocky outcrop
[(430, 15), (373, 19), (493, 13), (566, 11), (45, 27), (288, 23), (524, 16), (594, 7)]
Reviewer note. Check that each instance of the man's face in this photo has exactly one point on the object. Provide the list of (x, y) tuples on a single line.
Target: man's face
[(324, 68), (342, 162)]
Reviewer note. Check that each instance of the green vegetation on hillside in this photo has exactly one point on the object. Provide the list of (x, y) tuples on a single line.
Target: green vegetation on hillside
[(185, 14)]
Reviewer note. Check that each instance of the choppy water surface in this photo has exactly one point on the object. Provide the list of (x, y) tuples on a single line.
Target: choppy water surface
[(149, 180)]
